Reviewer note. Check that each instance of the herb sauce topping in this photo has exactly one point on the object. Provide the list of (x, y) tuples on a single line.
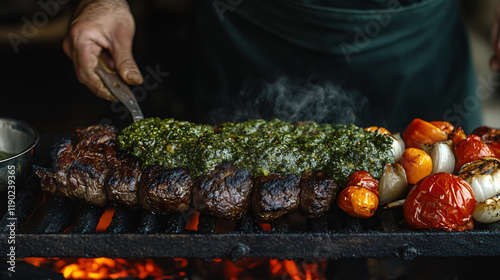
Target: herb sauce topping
[(259, 146)]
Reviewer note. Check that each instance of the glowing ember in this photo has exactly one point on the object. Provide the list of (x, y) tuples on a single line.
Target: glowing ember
[(105, 220), (105, 268)]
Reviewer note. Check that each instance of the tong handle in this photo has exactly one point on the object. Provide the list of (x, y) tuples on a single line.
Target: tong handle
[(119, 89)]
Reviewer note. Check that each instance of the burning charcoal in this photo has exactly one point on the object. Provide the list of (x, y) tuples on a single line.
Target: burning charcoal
[(317, 192), (224, 193), (275, 195), (163, 190), (121, 185)]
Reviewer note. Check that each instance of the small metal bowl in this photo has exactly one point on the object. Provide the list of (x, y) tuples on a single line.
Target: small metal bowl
[(17, 139)]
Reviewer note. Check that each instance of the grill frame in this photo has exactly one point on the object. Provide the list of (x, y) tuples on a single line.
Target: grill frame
[(63, 227)]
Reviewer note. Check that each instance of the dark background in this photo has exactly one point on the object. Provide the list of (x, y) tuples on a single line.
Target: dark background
[(39, 85)]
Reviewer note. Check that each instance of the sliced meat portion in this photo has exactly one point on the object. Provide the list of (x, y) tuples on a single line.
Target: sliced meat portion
[(64, 156), (123, 177), (317, 193), (86, 178), (275, 195), (225, 192), (94, 135), (163, 190), (47, 179)]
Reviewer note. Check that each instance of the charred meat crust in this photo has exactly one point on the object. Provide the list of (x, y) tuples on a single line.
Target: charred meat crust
[(275, 195), (224, 193), (163, 190), (89, 167), (122, 181), (317, 193)]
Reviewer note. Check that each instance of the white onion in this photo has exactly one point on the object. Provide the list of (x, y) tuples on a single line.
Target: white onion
[(398, 146), (392, 184), (483, 176), (443, 159), (397, 203), (488, 211)]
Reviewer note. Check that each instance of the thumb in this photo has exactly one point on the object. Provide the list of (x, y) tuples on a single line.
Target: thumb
[(126, 66)]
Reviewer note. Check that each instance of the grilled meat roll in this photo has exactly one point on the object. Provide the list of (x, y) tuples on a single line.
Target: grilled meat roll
[(275, 195), (163, 190), (123, 178), (224, 193), (317, 192)]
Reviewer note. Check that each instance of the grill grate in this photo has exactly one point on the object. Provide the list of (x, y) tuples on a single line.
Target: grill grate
[(53, 226)]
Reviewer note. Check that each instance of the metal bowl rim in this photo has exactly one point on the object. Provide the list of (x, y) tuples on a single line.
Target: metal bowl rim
[(33, 144)]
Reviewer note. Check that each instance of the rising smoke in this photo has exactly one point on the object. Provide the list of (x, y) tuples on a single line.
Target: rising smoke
[(293, 100)]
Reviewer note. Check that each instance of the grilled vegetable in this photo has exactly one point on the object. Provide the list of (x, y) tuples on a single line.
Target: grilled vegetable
[(440, 201), (471, 149), (491, 137), (446, 127), (488, 211), (398, 146), (483, 176), (363, 179), (357, 201), (393, 183), (416, 163), (443, 159), (421, 132)]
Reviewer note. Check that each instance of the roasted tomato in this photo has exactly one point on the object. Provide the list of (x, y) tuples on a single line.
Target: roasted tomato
[(416, 163), (457, 135), (378, 129), (421, 132), (491, 137), (358, 202), (440, 201), (363, 179), (471, 149), (444, 126)]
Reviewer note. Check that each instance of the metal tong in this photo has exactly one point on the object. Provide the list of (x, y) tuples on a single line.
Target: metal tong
[(119, 89)]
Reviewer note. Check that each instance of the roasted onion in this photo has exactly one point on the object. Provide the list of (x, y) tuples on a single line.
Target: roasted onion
[(483, 176), (443, 159), (488, 211), (392, 183)]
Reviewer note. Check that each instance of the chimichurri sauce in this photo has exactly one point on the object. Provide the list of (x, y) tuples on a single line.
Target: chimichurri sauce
[(259, 146)]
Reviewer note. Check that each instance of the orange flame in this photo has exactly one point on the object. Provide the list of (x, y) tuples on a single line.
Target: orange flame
[(258, 268), (105, 220), (100, 268)]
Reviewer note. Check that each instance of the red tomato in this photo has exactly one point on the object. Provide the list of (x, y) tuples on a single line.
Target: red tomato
[(457, 135), (471, 149), (491, 137), (363, 179), (421, 132), (444, 126), (440, 201)]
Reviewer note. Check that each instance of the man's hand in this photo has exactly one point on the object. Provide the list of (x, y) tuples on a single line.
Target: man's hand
[(102, 25)]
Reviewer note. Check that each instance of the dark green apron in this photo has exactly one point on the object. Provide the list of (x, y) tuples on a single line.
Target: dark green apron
[(382, 64)]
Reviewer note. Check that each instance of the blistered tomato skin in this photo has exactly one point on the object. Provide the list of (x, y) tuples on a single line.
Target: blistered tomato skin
[(471, 149), (421, 132), (363, 179), (440, 201), (444, 126), (358, 201)]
